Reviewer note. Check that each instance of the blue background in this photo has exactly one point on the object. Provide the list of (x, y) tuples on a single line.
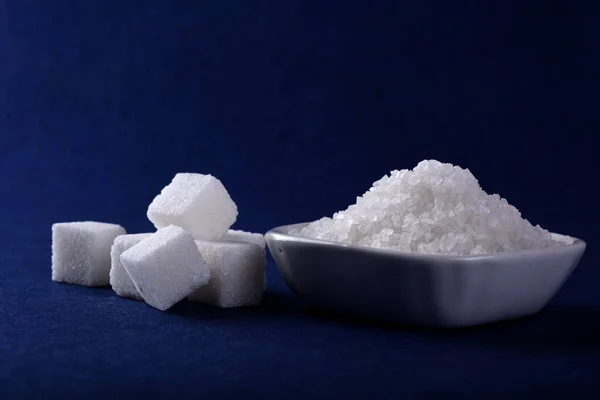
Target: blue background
[(297, 106)]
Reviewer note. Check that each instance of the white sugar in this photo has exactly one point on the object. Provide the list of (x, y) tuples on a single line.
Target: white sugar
[(166, 267), (119, 278), (237, 274), (258, 239), (436, 208), (81, 252), (198, 203)]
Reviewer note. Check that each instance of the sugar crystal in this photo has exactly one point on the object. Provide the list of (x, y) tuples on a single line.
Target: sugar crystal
[(436, 208)]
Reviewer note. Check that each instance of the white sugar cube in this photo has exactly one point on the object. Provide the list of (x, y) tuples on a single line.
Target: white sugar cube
[(166, 267), (233, 235), (81, 252), (119, 278), (258, 239), (198, 203), (237, 274)]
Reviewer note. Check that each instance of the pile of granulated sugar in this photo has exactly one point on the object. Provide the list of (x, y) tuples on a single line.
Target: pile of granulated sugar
[(436, 208)]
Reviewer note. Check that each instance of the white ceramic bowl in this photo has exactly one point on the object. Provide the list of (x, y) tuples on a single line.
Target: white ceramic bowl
[(419, 289)]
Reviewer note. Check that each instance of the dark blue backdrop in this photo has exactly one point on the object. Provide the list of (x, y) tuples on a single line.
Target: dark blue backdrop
[(297, 106)]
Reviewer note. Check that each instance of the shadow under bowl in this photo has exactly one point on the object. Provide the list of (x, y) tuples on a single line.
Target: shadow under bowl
[(420, 289)]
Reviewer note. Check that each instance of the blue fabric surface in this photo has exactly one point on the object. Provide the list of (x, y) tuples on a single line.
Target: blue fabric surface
[(297, 106)]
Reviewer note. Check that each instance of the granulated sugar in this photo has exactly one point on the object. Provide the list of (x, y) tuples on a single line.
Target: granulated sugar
[(436, 208)]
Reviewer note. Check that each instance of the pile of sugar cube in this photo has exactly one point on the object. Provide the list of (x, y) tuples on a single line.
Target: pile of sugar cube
[(193, 254)]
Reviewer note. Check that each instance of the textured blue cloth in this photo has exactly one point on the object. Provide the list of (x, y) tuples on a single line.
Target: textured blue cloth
[(297, 106)]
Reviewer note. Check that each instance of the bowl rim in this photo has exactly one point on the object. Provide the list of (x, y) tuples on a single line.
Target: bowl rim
[(280, 233)]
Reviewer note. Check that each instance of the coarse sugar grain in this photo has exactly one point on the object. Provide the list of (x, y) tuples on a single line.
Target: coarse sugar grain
[(436, 208)]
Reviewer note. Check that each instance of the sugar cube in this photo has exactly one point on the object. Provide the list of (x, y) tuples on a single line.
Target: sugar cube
[(258, 239), (198, 203), (81, 252), (233, 235), (166, 267), (119, 278), (237, 274)]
